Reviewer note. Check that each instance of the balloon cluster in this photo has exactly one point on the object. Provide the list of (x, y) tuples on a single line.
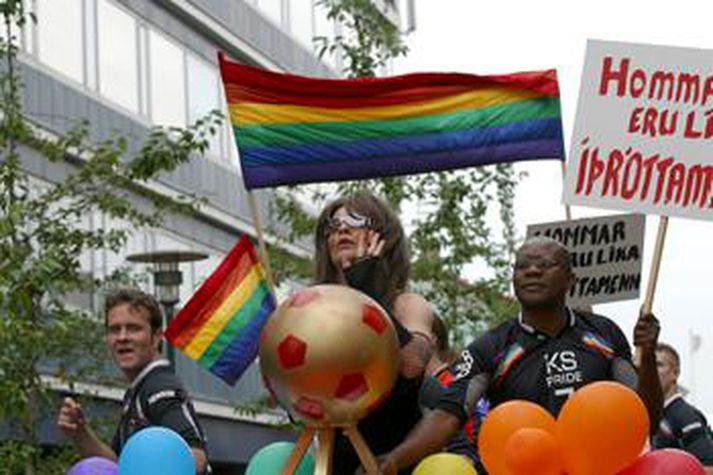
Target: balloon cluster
[(151, 451), (601, 430)]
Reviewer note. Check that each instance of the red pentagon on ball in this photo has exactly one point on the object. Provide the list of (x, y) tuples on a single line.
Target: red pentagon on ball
[(291, 352), (352, 387), (303, 297), (309, 408), (373, 317)]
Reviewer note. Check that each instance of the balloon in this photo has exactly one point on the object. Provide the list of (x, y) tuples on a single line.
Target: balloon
[(532, 451), (602, 429), (94, 466), (440, 464), (156, 451), (501, 423), (271, 459), (665, 462)]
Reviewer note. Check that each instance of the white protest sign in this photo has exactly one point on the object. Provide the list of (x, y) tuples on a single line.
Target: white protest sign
[(606, 255), (643, 132)]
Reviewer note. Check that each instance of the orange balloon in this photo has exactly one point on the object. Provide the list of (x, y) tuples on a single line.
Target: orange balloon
[(501, 423), (602, 429), (532, 451)]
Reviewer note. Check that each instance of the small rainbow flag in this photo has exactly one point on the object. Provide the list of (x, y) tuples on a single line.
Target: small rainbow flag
[(220, 325), (293, 129)]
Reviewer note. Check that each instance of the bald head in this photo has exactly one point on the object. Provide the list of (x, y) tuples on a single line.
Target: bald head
[(560, 252)]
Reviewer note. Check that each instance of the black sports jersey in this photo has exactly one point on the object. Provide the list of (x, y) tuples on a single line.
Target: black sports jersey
[(465, 443), (685, 427), (522, 363), (157, 398)]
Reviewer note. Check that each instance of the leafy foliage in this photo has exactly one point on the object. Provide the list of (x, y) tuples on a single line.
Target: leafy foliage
[(366, 40), (44, 235)]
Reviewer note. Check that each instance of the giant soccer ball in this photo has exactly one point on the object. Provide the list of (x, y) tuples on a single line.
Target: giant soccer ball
[(329, 355)]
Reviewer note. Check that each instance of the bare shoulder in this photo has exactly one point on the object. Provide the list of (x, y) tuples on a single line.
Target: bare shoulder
[(414, 312)]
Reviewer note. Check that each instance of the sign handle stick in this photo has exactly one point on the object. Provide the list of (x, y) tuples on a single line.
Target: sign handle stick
[(655, 265), (653, 276)]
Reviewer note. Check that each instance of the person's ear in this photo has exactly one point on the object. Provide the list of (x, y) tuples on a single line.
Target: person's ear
[(157, 339)]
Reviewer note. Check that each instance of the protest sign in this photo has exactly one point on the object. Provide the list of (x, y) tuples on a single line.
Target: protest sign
[(606, 255), (643, 134)]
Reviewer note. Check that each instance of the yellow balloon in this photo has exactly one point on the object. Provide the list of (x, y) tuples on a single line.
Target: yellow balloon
[(444, 463)]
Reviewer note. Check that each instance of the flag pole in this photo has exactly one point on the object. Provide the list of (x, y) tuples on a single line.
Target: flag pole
[(262, 248)]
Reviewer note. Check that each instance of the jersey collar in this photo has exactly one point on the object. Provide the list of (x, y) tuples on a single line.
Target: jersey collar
[(530, 329), (147, 369), (671, 399)]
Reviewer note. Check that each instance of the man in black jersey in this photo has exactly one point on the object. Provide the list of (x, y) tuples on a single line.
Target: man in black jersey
[(156, 396), (543, 356), (683, 426)]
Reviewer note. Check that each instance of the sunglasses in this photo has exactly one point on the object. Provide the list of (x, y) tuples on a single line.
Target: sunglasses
[(350, 220), (538, 263)]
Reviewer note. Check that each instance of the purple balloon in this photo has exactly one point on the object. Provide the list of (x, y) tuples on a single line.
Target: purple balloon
[(94, 466)]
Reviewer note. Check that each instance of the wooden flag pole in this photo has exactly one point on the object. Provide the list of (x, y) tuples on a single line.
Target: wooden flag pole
[(262, 248), (655, 265)]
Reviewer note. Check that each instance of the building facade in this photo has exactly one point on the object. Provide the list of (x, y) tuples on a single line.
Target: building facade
[(126, 65)]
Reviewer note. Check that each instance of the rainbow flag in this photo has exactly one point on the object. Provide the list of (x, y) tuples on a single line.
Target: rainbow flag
[(292, 129), (221, 323)]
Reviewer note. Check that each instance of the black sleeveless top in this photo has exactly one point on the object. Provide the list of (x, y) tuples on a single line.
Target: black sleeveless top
[(390, 423)]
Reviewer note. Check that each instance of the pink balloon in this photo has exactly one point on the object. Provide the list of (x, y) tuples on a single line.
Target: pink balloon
[(665, 462)]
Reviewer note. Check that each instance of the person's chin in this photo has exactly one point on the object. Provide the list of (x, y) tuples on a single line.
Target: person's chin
[(537, 300)]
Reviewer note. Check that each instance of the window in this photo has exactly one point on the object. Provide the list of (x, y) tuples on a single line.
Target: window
[(59, 36), (118, 59), (272, 9), (301, 21), (203, 95), (167, 94)]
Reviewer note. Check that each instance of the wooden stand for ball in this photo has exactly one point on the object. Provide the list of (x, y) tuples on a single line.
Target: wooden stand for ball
[(325, 449)]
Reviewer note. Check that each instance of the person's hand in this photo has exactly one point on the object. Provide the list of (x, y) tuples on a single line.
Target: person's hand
[(370, 247), (646, 331), (71, 419)]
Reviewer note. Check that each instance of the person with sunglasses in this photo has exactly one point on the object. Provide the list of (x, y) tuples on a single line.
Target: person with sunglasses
[(360, 242), (542, 356)]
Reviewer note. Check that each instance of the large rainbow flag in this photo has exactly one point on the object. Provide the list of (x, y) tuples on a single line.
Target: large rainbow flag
[(221, 323), (293, 129)]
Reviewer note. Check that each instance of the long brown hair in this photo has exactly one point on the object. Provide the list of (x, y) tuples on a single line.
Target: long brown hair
[(394, 266)]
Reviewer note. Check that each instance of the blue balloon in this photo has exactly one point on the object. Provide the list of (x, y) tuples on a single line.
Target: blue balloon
[(94, 466), (156, 451), (271, 459)]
